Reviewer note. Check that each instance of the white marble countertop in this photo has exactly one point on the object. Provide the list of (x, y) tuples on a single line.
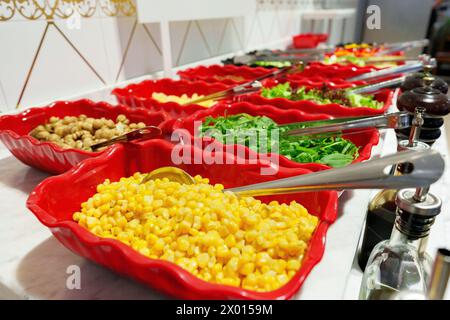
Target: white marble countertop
[(33, 263)]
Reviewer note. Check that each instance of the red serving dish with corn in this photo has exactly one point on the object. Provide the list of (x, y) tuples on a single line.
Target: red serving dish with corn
[(365, 139), (54, 206), (49, 157), (140, 95)]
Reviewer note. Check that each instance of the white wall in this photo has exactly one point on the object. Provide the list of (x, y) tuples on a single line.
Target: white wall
[(106, 45)]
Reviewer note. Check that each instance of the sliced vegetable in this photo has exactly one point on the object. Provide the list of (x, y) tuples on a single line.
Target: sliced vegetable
[(321, 96), (273, 64)]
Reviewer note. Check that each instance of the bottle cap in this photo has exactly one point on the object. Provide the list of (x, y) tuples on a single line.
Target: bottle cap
[(429, 207)]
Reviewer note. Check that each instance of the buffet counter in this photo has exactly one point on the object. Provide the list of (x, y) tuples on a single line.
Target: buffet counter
[(34, 265)]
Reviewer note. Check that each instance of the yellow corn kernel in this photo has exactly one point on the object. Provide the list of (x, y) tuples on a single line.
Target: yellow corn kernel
[(76, 216), (247, 268), (92, 222), (230, 241), (202, 260), (222, 251), (183, 244), (293, 265)]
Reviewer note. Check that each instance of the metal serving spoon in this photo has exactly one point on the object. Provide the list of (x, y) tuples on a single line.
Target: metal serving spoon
[(397, 120), (428, 166)]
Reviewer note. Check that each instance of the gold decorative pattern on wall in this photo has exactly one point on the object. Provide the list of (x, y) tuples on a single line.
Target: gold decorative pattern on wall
[(63, 9), (114, 8), (194, 38)]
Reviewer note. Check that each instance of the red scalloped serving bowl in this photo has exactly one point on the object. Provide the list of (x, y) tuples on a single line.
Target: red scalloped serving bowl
[(365, 139), (334, 70), (332, 109), (52, 204), (308, 40), (140, 95), (49, 157), (226, 74)]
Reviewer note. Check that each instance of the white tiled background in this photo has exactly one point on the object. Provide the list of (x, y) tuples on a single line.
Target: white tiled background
[(109, 46)]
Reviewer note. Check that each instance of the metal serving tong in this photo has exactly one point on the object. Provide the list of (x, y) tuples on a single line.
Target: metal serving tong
[(248, 87), (402, 46), (406, 68), (143, 133), (397, 120), (373, 87), (428, 166), (250, 58), (306, 51)]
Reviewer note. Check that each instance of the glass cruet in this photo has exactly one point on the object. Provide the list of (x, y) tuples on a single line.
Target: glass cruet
[(398, 264)]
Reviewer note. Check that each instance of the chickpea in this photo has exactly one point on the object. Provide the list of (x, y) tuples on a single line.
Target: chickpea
[(68, 139), (108, 134), (97, 124), (114, 132), (90, 120), (98, 133), (82, 132), (53, 119), (59, 131), (66, 120), (110, 124), (87, 126), (73, 129), (42, 135), (85, 136), (121, 118), (78, 144), (66, 146), (53, 137), (87, 143)]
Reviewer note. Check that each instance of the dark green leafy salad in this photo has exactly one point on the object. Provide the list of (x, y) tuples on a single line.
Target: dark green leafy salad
[(240, 129), (321, 96)]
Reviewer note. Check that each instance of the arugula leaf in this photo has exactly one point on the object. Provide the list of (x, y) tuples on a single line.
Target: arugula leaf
[(336, 160), (240, 129)]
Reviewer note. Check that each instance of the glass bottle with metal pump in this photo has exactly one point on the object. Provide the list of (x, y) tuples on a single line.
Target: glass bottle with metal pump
[(397, 264), (381, 212)]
